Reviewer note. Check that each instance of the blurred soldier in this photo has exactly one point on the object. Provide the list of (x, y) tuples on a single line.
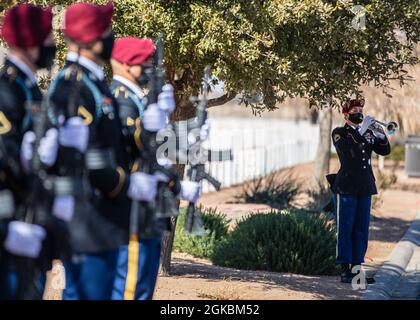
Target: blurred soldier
[(138, 263), (92, 160), (354, 185), (27, 30)]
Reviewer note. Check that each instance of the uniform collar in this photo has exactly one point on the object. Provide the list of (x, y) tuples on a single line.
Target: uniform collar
[(22, 66), (351, 126), (130, 85), (92, 66)]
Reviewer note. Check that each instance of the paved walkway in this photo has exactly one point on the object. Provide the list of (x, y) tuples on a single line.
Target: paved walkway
[(408, 287), (399, 276)]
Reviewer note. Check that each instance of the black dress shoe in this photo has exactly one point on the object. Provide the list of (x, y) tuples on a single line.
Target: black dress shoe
[(346, 275)]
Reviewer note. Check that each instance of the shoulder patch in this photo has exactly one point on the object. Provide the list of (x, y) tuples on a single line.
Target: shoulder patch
[(336, 137)]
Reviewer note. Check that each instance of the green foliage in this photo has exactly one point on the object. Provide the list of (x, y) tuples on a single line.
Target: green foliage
[(197, 246), (320, 197), (286, 241), (397, 153), (275, 191), (383, 182), (269, 50)]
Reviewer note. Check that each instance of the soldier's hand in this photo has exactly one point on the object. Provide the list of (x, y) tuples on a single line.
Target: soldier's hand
[(190, 191), (63, 207), (154, 118), (203, 133), (205, 130), (24, 239), (143, 187), (166, 99), (74, 134), (367, 121), (26, 149), (48, 147)]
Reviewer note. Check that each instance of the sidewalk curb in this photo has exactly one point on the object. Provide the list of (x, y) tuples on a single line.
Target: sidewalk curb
[(389, 274)]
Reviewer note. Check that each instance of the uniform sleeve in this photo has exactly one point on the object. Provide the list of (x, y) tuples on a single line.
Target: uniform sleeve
[(10, 103), (340, 141), (382, 147), (3, 231), (111, 182), (11, 116), (130, 121)]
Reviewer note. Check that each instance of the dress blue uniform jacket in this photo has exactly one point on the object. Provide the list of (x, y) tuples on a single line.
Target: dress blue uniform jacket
[(101, 218), (355, 176)]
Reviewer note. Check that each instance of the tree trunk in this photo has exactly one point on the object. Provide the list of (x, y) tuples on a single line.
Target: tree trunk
[(323, 155), (185, 110), (168, 237), (167, 245)]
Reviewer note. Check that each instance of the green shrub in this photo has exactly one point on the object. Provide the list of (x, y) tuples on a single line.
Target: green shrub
[(383, 182), (277, 192), (286, 241), (397, 153), (201, 246), (320, 199)]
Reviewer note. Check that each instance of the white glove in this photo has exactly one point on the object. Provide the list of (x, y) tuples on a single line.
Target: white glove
[(63, 207), (190, 191), (166, 99), (205, 130), (203, 133), (75, 134), (24, 239), (26, 149), (367, 121), (161, 177), (48, 147), (154, 118), (143, 187)]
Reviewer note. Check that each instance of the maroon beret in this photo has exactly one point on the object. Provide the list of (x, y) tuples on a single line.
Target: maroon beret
[(132, 51), (85, 22), (347, 106), (26, 26)]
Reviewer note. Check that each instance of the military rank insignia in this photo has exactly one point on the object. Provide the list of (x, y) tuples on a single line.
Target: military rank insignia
[(336, 137)]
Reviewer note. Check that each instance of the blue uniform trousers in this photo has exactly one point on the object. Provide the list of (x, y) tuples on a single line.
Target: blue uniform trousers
[(352, 219), (11, 286), (90, 276), (137, 270)]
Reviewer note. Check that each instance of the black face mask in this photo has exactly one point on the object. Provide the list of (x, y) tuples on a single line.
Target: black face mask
[(356, 117), (46, 56), (107, 46), (144, 78)]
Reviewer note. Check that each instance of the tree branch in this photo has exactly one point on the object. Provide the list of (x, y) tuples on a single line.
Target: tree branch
[(221, 100)]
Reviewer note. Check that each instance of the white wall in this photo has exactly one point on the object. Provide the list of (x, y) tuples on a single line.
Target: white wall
[(260, 146)]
